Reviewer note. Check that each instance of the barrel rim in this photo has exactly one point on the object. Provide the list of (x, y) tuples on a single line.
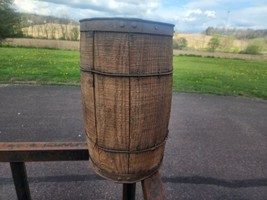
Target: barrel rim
[(126, 19)]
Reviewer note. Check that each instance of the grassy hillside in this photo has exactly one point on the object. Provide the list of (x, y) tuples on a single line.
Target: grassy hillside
[(53, 31), (200, 42), (49, 27), (227, 43)]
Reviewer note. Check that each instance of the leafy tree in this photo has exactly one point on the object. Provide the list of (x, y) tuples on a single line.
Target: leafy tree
[(226, 43), (209, 31), (213, 44), (175, 44), (9, 20), (254, 48), (180, 43)]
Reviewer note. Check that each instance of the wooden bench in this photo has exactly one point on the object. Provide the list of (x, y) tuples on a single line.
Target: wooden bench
[(17, 153)]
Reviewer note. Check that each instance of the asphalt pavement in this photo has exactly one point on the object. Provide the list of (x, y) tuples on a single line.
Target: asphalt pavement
[(216, 149)]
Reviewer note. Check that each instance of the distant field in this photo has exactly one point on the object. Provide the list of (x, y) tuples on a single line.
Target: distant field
[(53, 31), (40, 43), (191, 74), (228, 43), (75, 45), (200, 41)]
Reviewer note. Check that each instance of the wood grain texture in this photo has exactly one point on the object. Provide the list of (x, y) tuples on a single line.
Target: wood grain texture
[(150, 111), (150, 53), (86, 50), (112, 103), (126, 118), (111, 52), (146, 161), (106, 162), (87, 96)]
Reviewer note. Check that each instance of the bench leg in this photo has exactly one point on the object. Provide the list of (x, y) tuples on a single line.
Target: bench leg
[(20, 180), (153, 188), (129, 191)]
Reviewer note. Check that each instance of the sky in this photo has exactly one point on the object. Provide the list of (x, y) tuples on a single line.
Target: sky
[(188, 16)]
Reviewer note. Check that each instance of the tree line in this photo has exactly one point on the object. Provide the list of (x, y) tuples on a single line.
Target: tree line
[(13, 23), (9, 20), (237, 33), (34, 19)]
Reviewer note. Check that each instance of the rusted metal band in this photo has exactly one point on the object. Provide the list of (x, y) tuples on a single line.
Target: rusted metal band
[(130, 33), (44, 146), (123, 178), (126, 25), (134, 151), (93, 71), (43, 151)]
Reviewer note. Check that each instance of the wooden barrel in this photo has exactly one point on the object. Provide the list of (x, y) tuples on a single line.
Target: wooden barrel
[(126, 88)]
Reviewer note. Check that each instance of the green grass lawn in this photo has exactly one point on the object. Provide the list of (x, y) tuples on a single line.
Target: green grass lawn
[(191, 74), (39, 66), (220, 76)]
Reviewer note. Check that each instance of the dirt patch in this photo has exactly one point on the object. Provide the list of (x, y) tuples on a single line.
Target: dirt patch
[(57, 44)]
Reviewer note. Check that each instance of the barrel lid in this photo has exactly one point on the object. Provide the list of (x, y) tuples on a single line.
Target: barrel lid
[(130, 25)]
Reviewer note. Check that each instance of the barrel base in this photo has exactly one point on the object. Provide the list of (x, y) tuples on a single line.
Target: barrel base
[(123, 178)]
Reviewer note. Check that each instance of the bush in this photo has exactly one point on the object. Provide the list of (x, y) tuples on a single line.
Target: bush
[(226, 43), (253, 48), (213, 44), (175, 44), (180, 43)]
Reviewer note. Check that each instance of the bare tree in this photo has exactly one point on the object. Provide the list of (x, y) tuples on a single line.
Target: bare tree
[(52, 31), (74, 33), (63, 28)]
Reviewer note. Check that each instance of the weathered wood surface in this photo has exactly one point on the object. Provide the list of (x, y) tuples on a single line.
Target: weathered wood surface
[(126, 114), (153, 188)]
